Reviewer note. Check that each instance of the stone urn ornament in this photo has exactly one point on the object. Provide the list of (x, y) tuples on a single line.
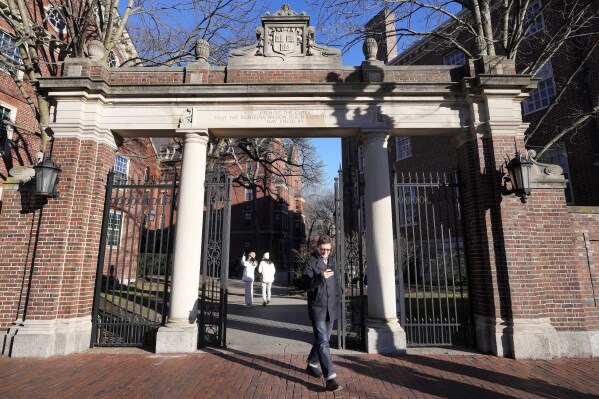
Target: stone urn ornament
[(202, 49), (96, 50), (370, 48)]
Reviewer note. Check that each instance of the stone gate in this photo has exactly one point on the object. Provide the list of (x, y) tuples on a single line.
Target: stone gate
[(530, 289)]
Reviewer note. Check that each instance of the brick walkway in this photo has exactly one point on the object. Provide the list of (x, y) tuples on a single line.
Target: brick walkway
[(238, 375)]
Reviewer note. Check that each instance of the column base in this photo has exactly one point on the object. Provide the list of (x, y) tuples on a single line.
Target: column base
[(385, 336), (519, 338), (45, 338), (177, 338)]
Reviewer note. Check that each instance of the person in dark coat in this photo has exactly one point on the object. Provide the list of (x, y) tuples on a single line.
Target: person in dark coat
[(324, 295)]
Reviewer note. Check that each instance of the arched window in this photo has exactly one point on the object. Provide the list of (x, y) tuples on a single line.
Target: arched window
[(55, 19)]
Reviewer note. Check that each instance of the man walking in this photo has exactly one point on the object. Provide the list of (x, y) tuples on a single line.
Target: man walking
[(324, 294)]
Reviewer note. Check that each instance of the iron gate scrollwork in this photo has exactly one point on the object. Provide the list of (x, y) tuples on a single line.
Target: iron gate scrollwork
[(134, 261), (349, 258), (215, 261), (431, 273)]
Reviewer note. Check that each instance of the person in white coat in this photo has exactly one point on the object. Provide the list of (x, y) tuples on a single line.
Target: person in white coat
[(267, 270), (249, 266)]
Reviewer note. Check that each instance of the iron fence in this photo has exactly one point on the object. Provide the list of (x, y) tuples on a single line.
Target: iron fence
[(433, 299), (134, 262)]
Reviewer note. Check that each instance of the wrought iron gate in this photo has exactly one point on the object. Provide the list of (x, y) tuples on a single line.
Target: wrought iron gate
[(134, 262), (215, 261), (431, 273), (349, 255)]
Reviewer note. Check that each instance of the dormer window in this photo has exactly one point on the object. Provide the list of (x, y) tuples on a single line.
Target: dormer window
[(456, 57), (112, 60)]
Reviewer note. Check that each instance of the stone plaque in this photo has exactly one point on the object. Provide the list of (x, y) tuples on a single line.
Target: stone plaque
[(286, 40)]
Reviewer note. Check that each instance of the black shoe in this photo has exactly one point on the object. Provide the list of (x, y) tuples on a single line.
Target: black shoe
[(333, 385), (314, 372), (264, 303)]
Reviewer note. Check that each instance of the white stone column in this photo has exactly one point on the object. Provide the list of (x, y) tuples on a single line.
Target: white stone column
[(384, 334), (181, 332)]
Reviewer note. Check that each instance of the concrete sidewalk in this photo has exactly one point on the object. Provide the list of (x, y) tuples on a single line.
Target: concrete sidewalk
[(266, 358)]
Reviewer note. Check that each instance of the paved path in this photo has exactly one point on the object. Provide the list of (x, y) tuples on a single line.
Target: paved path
[(280, 327), (226, 374), (267, 357)]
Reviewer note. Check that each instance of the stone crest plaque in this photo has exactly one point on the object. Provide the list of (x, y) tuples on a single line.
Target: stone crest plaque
[(286, 40), (286, 36)]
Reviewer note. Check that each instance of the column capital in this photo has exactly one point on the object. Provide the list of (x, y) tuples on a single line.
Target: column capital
[(366, 135), (194, 135)]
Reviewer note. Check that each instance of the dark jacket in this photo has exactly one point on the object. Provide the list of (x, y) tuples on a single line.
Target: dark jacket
[(324, 295)]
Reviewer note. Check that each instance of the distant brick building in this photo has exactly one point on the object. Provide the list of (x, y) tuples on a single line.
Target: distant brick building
[(269, 219), (577, 152)]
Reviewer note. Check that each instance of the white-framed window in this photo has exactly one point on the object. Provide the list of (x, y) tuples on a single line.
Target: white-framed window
[(407, 201), (557, 155), (10, 49), (7, 114), (403, 148), (121, 169), (113, 234), (534, 14), (542, 96), (248, 194), (112, 60), (455, 57), (360, 159), (55, 19)]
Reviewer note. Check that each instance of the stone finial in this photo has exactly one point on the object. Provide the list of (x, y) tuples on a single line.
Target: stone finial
[(202, 50), (96, 50), (370, 48)]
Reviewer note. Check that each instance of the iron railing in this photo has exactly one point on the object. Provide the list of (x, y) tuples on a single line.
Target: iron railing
[(134, 261), (431, 273)]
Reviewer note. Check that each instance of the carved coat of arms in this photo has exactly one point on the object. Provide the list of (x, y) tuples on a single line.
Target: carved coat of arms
[(285, 40)]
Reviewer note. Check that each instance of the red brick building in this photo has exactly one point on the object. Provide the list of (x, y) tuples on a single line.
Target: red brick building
[(577, 152), (268, 217)]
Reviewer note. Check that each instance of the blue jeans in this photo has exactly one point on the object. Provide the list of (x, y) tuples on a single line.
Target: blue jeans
[(320, 350)]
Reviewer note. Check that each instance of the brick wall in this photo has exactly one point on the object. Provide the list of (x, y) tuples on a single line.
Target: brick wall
[(585, 221), (52, 245), (521, 259)]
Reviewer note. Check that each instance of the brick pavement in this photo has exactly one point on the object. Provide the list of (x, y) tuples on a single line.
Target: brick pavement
[(226, 374)]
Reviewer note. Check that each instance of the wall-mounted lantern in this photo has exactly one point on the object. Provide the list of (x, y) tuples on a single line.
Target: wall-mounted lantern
[(46, 178), (519, 169)]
